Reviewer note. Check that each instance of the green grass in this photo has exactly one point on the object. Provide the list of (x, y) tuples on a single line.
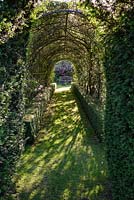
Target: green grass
[(66, 162)]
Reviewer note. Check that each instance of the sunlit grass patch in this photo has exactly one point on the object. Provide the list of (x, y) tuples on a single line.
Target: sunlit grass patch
[(65, 163)]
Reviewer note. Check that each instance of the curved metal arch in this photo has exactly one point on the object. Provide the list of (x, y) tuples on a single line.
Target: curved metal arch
[(69, 41), (55, 51), (68, 52), (62, 25), (52, 38), (37, 71)]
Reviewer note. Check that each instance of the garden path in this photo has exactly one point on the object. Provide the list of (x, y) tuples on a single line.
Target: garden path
[(66, 162)]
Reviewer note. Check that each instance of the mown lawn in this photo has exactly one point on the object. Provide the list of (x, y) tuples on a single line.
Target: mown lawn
[(66, 162)]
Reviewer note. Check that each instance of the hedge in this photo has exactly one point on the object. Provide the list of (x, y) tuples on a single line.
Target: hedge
[(119, 118), (91, 111)]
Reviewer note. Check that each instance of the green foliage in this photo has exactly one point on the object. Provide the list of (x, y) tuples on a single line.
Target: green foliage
[(119, 120), (55, 5), (37, 11), (11, 129), (102, 40), (13, 37), (92, 111), (16, 90)]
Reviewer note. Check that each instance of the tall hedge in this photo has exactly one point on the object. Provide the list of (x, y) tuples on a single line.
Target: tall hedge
[(119, 118), (116, 20), (14, 28)]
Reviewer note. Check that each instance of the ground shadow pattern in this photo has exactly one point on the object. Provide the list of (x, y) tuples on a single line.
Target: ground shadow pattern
[(66, 162)]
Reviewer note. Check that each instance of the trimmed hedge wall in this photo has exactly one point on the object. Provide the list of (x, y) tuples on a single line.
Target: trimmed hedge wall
[(119, 119), (14, 34), (91, 112), (12, 104)]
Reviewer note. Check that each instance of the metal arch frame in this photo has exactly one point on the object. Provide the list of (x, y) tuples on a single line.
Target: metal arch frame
[(79, 44)]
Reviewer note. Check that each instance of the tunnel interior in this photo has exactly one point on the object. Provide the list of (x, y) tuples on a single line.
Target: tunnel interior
[(62, 32)]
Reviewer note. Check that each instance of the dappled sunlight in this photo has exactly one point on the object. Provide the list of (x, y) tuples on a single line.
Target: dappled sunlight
[(63, 164)]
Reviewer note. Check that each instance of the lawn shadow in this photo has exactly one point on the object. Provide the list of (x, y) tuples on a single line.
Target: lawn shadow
[(64, 164)]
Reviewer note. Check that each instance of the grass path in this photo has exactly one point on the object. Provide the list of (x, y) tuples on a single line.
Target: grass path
[(66, 162)]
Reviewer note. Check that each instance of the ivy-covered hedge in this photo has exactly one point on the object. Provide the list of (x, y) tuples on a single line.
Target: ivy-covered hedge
[(116, 20), (12, 109), (14, 28), (119, 119), (91, 111)]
